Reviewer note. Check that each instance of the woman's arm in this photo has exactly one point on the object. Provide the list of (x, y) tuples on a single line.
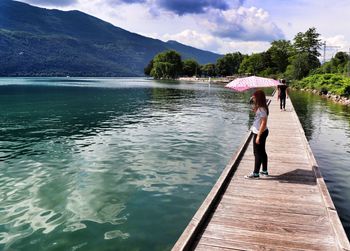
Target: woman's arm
[(261, 129)]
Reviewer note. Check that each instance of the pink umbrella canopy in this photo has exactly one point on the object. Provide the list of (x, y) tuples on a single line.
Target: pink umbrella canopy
[(242, 84)]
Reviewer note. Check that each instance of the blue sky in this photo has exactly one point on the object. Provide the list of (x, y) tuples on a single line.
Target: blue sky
[(221, 26)]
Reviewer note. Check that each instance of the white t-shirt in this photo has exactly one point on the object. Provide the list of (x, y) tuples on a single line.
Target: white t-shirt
[(259, 114)]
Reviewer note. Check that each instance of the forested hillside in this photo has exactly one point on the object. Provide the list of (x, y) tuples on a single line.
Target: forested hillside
[(41, 42)]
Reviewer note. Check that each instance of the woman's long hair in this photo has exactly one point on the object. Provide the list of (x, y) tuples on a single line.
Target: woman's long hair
[(260, 101)]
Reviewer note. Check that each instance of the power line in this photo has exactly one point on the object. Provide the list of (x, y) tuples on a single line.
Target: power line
[(326, 47), (349, 64)]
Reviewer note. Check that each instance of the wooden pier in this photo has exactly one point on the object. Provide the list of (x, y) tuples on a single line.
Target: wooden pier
[(289, 210)]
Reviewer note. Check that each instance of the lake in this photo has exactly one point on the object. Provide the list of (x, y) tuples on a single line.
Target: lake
[(123, 164), (110, 164)]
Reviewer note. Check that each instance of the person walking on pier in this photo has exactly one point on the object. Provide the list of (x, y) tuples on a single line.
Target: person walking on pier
[(260, 133), (282, 94)]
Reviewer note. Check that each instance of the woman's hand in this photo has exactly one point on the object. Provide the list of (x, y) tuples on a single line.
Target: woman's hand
[(257, 141)]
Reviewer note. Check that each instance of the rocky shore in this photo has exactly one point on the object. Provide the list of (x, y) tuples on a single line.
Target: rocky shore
[(329, 95)]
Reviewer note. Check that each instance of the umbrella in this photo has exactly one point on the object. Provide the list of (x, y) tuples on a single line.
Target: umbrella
[(242, 84)]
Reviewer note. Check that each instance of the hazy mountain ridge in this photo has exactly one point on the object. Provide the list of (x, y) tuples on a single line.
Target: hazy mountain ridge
[(40, 42)]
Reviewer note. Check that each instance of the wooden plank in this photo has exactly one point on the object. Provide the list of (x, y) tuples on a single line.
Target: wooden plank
[(235, 245), (237, 206), (266, 194), (265, 239), (249, 242), (247, 213), (281, 188), (260, 225), (256, 197), (268, 232)]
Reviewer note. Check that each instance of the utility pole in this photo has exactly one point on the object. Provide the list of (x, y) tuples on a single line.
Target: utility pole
[(324, 52), (349, 64), (325, 47)]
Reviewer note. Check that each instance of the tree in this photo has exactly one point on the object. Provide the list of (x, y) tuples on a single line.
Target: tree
[(341, 57), (340, 61), (229, 64), (299, 66), (208, 70), (280, 51), (338, 64), (166, 65), (147, 70), (190, 68), (255, 64), (309, 44)]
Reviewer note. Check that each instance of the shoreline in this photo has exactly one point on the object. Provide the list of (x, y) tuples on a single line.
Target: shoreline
[(223, 80), (333, 97)]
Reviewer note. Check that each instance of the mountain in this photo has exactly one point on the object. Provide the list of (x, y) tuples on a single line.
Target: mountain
[(40, 42)]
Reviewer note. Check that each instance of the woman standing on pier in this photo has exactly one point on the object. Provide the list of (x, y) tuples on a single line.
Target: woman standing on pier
[(260, 133)]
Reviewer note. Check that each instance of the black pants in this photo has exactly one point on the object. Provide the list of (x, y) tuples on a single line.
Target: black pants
[(282, 102), (260, 152)]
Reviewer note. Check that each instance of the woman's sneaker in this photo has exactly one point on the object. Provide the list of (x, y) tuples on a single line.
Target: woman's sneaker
[(252, 176), (264, 173)]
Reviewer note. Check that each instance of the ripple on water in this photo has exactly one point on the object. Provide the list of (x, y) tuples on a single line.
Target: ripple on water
[(116, 234), (79, 246), (74, 227)]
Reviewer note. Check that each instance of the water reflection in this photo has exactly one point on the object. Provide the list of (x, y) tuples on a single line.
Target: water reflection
[(305, 110)]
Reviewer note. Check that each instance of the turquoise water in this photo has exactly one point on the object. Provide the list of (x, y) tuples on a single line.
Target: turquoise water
[(327, 127), (123, 164), (110, 164)]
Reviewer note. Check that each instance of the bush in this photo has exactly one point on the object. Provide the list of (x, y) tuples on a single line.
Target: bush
[(324, 83)]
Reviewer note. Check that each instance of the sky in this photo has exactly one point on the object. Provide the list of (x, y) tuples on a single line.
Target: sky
[(221, 26)]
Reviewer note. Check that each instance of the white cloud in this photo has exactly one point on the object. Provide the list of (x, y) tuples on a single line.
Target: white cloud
[(244, 46), (246, 24), (195, 39), (215, 44), (338, 41)]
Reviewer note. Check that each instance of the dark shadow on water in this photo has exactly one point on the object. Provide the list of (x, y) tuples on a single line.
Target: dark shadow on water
[(297, 176)]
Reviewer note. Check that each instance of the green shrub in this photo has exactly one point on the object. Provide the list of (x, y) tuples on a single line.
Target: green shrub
[(324, 83)]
